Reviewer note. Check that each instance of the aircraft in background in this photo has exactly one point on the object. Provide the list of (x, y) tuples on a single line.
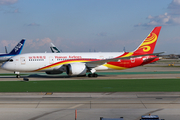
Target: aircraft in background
[(78, 64), (54, 49), (6, 50), (16, 50)]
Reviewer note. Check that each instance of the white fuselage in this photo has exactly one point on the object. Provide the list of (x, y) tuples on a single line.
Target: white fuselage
[(33, 61)]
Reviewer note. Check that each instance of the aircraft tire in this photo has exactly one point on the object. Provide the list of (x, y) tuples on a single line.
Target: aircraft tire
[(93, 75), (89, 75), (17, 76)]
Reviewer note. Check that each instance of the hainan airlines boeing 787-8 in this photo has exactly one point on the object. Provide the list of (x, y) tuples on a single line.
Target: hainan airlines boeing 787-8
[(81, 63)]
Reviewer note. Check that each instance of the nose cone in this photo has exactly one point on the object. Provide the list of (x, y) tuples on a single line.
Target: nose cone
[(3, 66), (6, 66)]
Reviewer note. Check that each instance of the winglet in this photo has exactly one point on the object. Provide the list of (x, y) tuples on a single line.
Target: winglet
[(18, 48), (148, 45)]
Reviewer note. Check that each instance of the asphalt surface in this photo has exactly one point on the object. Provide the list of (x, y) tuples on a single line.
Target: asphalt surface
[(89, 106)]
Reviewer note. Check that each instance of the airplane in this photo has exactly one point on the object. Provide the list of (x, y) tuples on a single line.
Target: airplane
[(54, 49), (6, 50), (78, 64), (17, 50)]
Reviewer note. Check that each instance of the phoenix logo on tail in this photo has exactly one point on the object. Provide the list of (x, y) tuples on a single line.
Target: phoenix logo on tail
[(148, 45)]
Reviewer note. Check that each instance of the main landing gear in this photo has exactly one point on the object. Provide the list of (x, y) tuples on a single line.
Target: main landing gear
[(92, 75)]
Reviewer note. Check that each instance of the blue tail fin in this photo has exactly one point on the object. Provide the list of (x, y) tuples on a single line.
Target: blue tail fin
[(18, 48)]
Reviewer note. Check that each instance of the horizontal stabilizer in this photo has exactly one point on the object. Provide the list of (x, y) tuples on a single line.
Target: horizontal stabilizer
[(93, 64)]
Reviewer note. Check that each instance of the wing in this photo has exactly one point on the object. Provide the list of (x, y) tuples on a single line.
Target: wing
[(94, 64)]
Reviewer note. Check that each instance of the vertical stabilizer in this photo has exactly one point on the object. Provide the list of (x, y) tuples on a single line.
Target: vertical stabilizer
[(54, 48), (18, 48), (148, 45), (6, 50)]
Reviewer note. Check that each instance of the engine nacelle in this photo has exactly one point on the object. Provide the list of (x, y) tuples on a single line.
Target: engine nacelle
[(76, 69), (54, 72)]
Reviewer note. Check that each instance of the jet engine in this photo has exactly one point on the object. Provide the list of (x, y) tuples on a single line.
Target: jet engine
[(76, 69)]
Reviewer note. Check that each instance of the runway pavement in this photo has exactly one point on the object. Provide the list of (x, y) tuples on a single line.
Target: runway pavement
[(90, 106)]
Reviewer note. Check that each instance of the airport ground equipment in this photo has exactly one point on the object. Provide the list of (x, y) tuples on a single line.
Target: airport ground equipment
[(150, 117)]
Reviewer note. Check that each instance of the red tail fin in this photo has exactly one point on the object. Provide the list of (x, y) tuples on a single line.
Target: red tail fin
[(148, 45)]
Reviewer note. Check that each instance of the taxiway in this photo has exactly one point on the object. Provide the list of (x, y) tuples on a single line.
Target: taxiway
[(89, 106)]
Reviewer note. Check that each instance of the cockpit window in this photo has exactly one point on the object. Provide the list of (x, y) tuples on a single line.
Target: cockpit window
[(10, 60)]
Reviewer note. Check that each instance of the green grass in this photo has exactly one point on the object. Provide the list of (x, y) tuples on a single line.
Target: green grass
[(10, 74), (126, 85)]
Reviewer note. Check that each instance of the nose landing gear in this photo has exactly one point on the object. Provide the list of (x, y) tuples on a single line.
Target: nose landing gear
[(17, 74)]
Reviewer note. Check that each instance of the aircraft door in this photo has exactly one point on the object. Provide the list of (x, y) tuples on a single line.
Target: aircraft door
[(23, 60), (51, 60), (133, 60)]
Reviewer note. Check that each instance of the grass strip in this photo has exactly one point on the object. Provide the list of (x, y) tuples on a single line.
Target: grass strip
[(10, 74), (125, 85)]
